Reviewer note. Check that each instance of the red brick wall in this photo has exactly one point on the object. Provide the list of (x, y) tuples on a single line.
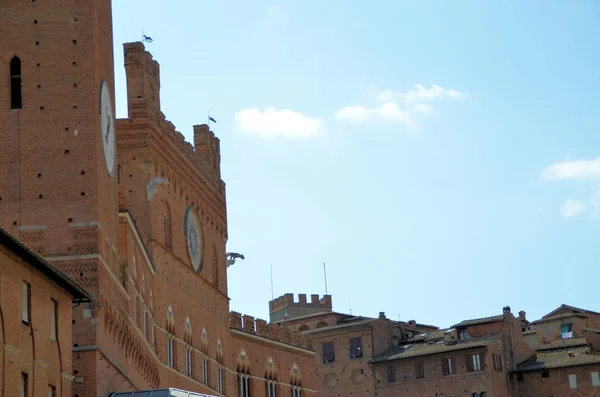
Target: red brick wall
[(26, 348), (434, 381), (557, 382)]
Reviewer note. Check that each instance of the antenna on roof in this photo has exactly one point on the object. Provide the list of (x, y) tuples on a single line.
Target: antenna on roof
[(325, 274), (272, 294)]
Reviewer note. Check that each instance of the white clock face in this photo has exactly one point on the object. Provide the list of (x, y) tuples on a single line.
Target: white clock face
[(107, 128), (194, 238)]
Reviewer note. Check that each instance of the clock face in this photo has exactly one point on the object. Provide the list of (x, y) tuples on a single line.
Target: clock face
[(194, 238), (107, 128)]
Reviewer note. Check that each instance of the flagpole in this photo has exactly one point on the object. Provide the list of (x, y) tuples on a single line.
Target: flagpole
[(272, 294), (325, 274)]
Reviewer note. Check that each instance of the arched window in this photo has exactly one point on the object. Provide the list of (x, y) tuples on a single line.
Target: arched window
[(171, 353), (295, 381), (271, 378), (303, 328), (189, 351), (271, 386), (243, 383), (16, 94), (167, 226)]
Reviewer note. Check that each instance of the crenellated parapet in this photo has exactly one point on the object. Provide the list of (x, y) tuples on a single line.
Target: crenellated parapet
[(286, 308), (143, 98), (271, 331)]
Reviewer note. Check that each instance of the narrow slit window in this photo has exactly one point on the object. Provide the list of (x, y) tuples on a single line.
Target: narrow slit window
[(16, 94)]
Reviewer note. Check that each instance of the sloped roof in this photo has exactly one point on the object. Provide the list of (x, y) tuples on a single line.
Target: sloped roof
[(314, 315), (477, 321), (432, 336), (32, 258), (562, 344), (558, 316), (411, 350), (559, 359), (568, 307), (355, 322)]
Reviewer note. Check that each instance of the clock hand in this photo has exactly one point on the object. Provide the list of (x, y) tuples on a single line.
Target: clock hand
[(107, 128)]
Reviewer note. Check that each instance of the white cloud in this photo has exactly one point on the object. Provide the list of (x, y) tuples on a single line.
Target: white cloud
[(272, 123), (398, 107), (571, 208), (420, 94), (578, 169), (388, 111)]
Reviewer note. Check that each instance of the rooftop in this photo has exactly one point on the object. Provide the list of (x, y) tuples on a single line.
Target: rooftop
[(573, 309), (559, 359), (562, 344), (28, 255), (478, 321), (558, 316), (349, 323), (411, 350)]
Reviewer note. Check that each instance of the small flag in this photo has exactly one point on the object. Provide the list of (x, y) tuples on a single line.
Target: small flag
[(211, 119)]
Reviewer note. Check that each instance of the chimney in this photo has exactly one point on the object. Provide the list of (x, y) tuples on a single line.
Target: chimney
[(506, 309), (382, 315), (522, 316)]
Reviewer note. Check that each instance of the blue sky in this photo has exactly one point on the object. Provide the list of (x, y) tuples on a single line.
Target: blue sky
[(443, 158)]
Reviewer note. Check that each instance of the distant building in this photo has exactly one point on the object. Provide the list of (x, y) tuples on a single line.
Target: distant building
[(472, 358), (567, 355), (36, 302), (344, 344)]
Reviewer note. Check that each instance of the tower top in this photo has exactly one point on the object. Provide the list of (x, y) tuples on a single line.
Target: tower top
[(285, 308)]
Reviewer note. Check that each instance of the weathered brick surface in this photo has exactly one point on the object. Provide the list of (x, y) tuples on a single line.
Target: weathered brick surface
[(28, 348), (106, 232)]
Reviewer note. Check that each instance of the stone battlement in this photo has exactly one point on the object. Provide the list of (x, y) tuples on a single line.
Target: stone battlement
[(286, 308), (271, 331), (143, 98), (287, 300)]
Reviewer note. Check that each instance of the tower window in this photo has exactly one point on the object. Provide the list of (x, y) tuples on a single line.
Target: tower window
[(16, 96)]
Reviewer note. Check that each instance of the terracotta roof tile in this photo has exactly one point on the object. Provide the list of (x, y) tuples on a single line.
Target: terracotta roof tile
[(562, 344), (559, 359), (425, 349), (559, 316), (477, 321)]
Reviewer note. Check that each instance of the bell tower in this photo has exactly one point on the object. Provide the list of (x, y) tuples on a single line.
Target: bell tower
[(58, 178)]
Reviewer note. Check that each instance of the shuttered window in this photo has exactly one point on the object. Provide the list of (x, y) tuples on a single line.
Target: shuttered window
[(448, 366)]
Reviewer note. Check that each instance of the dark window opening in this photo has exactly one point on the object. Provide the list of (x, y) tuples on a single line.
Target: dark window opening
[(419, 370), (16, 94), (356, 347), (545, 374), (328, 352), (391, 373)]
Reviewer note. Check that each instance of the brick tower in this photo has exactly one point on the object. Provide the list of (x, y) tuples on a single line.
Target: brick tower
[(58, 179)]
